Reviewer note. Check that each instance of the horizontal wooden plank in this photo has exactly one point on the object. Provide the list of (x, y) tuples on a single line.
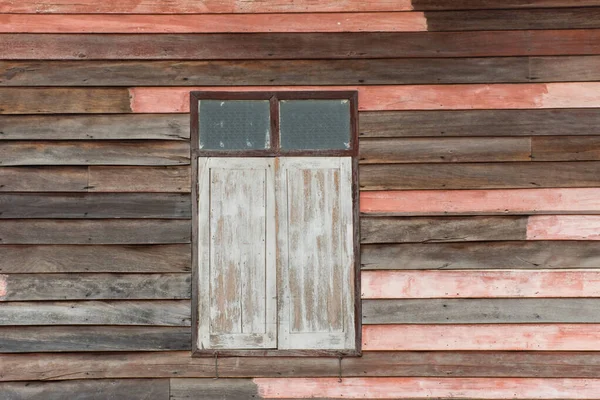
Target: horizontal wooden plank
[(566, 148), (36, 287), (156, 313), (481, 311), (43, 179), (94, 127), (206, 6), (480, 123), (299, 45), (123, 231), (228, 23), (72, 259), (96, 205), (444, 150), (556, 69), (426, 388), (63, 100), (563, 227), (139, 179), (28, 339), (478, 202), (441, 229), (484, 20), (230, 389), (134, 389), (403, 97), (499, 4), (516, 175), (479, 284), (48, 367), (147, 152), (486, 255), (544, 337)]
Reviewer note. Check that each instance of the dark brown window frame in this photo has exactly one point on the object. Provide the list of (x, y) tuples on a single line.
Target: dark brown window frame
[(274, 151)]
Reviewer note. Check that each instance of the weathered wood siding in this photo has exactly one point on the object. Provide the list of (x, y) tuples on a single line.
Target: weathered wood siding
[(479, 178)]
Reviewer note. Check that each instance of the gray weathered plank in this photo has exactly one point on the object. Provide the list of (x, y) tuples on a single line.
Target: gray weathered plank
[(441, 229), (486, 255), (43, 179), (147, 152), (29, 287), (564, 69), (123, 231), (94, 127), (444, 150), (34, 259), (132, 389), (72, 339), (498, 4), (96, 205), (225, 389), (566, 148), (63, 100), (481, 311), (480, 175), (139, 179), (156, 313), (481, 122)]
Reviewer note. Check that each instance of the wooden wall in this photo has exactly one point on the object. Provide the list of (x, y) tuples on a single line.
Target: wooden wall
[(480, 193)]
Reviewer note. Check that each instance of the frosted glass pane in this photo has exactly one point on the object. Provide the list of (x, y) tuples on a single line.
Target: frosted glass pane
[(315, 124), (234, 124)]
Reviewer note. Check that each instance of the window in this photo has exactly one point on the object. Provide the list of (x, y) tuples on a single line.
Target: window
[(275, 238)]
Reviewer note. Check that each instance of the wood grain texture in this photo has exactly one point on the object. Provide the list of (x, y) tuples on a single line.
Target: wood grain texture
[(404, 97), (444, 150), (206, 6), (484, 255), (96, 205), (494, 20), (481, 311), (134, 389), (516, 175), (566, 148), (152, 313), (49, 367), (94, 127), (43, 179), (147, 152), (479, 284), (544, 337), (72, 339), (480, 123), (499, 4), (230, 389), (479, 202), (297, 72), (422, 388), (299, 45), (36, 287), (72, 259), (233, 23), (563, 227), (124, 231), (63, 100), (441, 229), (139, 179)]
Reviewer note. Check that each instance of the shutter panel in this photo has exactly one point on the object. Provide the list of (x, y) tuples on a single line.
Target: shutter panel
[(236, 251), (315, 253)]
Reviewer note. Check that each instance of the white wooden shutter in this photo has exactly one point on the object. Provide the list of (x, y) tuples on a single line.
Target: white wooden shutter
[(236, 250), (315, 253)]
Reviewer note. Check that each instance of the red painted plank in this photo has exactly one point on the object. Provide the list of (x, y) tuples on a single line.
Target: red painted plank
[(235, 23), (427, 388), (195, 6), (555, 337), (479, 284), (405, 97), (517, 201), (563, 227)]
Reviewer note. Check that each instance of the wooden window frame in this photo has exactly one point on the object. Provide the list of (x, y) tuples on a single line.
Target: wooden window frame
[(274, 151)]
